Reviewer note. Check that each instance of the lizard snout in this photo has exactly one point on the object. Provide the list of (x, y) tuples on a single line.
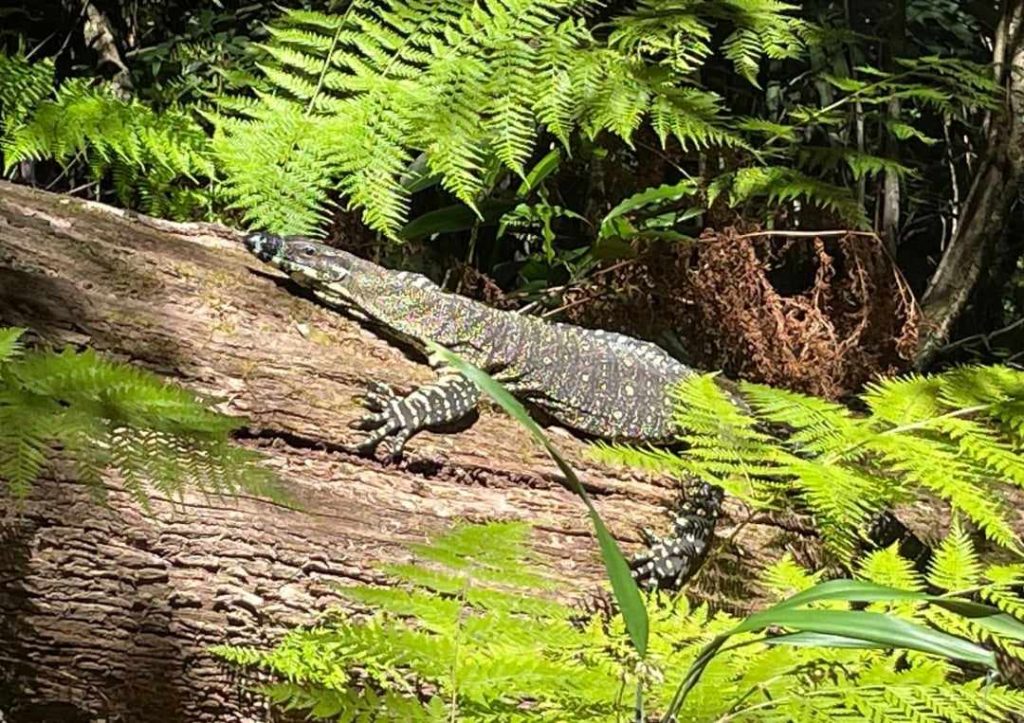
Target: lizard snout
[(265, 246)]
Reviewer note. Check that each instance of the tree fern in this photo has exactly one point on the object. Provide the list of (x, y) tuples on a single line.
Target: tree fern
[(954, 435), (470, 634), (100, 416), (780, 185), (156, 161), (470, 85)]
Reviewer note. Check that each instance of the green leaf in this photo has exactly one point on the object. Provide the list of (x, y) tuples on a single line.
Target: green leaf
[(451, 219), (905, 131), (417, 176), (821, 640), (658, 195), (865, 592), (543, 168), (857, 628), (612, 249), (884, 630), (10, 346)]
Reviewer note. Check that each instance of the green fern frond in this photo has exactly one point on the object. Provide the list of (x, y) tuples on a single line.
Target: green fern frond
[(156, 161), (23, 85), (887, 567), (743, 48), (780, 184), (470, 85), (276, 167), (669, 33), (510, 121), (822, 159), (25, 424), (762, 27), (955, 436), (10, 342), (785, 577), (508, 654), (100, 416), (955, 565)]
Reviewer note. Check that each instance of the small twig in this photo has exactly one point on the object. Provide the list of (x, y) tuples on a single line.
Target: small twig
[(64, 171), (83, 187), (807, 234), (985, 338), (39, 45), (571, 304), (955, 203), (565, 287)]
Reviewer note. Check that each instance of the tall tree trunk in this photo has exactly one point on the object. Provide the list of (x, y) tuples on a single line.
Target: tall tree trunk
[(993, 190), (896, 22), (107, 611)]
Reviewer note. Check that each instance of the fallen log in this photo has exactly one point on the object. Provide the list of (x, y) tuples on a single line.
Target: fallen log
[(107, 610)]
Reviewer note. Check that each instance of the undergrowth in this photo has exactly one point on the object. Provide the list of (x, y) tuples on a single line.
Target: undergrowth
[(471, 633)]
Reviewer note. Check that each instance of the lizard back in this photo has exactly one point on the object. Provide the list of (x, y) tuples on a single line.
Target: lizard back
[(597, 382)]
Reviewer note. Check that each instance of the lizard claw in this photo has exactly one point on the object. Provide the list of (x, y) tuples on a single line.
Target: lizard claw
[(650, 539), (382, 420), (377, 396), (395, 417), (380, 390), (368, 421)]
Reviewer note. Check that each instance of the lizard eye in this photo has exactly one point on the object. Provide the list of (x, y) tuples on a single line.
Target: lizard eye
[(308, 251)]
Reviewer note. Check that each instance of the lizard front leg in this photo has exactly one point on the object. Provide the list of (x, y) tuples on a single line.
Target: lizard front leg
[(397, 418)]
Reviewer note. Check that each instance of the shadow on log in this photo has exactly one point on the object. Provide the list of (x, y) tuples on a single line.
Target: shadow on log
[(106, 610)]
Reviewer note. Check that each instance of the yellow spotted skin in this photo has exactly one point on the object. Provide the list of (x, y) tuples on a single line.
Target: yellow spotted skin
[(597, 382), (600, 383)]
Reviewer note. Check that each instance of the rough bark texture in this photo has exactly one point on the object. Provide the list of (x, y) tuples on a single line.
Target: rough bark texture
[(994, 188), (106, 611)]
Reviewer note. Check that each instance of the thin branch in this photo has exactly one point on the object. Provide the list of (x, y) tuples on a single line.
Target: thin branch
[(986, 338)]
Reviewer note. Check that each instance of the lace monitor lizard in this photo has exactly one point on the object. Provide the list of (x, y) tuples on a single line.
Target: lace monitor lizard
[(620, 392)]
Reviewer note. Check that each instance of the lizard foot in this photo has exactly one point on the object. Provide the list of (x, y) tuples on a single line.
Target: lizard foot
[(669, 563), (396, 418), (389, 417)]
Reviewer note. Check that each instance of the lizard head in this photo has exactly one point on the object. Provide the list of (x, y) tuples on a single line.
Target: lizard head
[(309, 263), (342, 280)]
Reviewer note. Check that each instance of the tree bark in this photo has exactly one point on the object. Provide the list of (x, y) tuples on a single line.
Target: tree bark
[(896, 23), (991, 195), (107, 610)]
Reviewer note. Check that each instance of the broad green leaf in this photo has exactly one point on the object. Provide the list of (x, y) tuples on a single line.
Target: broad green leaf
[(650, 196), (848, 590), (449, 219), (820, 640), (417, 176), (885, 630), (850, 85), (861, 591), (858, 628), (612, 249), (904, 131), (544, 168)]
